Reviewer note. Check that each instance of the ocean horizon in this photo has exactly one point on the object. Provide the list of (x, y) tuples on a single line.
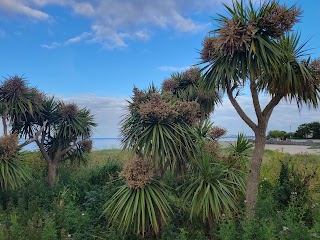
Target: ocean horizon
[(109, 143)]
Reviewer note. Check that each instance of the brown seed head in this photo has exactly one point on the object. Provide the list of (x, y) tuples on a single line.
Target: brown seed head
[(212, 148), (138, 96), (170, 85), (87, 146), (69, 110), (208, 52), (234, 36), (192, 74), (9, 147), (217, 132), (280, 20), (188, 112), (156, 109), (14, 86), (137, 173)]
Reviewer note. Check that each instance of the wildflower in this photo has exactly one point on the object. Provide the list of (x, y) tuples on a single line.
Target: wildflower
[(82, 214), (245, 201), (284, 228), (314, 235)]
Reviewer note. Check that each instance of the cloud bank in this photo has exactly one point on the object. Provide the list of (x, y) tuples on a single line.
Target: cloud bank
[(113, 22), (108, 113)]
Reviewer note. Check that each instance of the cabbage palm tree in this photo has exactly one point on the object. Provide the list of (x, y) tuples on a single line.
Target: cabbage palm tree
[(252, 47), (61, 132), (161, 129)]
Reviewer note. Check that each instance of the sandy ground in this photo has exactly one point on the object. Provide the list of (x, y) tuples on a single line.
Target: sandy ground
[(292, 149)]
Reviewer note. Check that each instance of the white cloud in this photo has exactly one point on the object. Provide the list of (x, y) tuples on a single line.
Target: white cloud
[(173, 69), (16, 7), (114, 22), (70, 41)]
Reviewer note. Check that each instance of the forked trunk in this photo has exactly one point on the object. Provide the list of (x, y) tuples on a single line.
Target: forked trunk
[(52, 172), (254, 172)]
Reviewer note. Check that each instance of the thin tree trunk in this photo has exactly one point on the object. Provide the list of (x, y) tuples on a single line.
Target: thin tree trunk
[(4, 122), (52, 172), (210, 223), (254, 172)]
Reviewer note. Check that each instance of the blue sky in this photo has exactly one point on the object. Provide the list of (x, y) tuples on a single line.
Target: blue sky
[(93, 52)]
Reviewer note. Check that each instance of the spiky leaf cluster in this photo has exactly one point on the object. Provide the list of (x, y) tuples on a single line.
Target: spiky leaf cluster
[(12, 173), (19, 101)]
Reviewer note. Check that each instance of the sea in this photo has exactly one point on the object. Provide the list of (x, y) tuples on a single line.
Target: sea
[(109, 143)]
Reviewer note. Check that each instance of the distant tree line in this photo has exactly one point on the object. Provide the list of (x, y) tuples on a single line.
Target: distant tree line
[(304, 131)]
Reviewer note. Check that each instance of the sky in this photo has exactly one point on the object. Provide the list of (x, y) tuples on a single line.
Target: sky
[(93, 52)]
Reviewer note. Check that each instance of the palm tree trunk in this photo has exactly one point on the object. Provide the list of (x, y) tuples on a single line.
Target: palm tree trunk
[(254, 172), (4, 122), (52, 172), (210, 223)]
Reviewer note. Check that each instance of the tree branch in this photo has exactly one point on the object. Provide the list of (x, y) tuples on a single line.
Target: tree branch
[(270, 106), (255, 99), (30, 140), (43, 151), (239, 110), (72, 146)]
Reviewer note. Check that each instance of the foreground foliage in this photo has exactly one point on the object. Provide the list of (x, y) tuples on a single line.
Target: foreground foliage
[(139, 208), (74, 206)]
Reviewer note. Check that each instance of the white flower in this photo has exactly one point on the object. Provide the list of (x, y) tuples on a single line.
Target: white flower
[(284, 228)]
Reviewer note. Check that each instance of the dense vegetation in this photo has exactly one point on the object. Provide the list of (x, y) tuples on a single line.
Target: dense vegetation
[(304, 131), (171, 180), (287, 204), (308, 130)]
